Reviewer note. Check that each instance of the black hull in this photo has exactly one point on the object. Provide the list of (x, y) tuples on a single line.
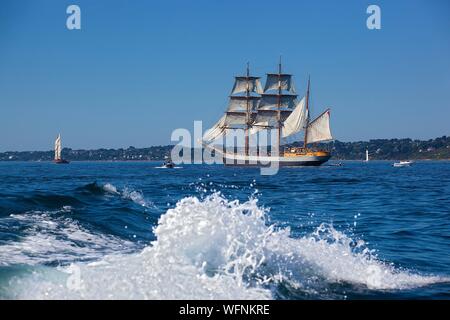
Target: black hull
[(61, 161), (310, 163)]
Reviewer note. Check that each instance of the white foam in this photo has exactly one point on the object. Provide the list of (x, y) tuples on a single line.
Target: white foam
[(108, 187), (130, 194), (51, 238), (219, 249), (137, 197)]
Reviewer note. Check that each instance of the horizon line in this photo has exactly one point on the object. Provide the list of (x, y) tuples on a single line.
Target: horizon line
[(171, 145)]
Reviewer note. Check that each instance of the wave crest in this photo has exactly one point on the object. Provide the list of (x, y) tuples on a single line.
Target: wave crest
[(50, 237), (220, 249), (126, 193)]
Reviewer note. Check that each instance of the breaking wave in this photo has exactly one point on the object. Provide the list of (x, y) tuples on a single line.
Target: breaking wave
[(50, 237), (220, 249), (126, 193)]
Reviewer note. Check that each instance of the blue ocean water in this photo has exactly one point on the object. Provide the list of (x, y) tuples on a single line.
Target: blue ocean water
[(135, 230)]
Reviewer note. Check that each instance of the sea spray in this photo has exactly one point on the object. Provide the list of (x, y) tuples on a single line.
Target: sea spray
[(128, 193), (220, 249), (137, 197), (108, 187), (50, 237)]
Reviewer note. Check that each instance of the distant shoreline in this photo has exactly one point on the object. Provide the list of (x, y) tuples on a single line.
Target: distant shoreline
[(160, 161), (379, 149)]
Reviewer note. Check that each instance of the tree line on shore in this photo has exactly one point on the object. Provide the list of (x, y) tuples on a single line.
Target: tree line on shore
[(379, 149)]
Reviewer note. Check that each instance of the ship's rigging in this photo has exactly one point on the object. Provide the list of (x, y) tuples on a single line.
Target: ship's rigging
[(275, 107)]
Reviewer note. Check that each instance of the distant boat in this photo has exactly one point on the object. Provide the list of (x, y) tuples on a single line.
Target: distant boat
[(58, 148), (402, 164), (367, 155), (168, 163)]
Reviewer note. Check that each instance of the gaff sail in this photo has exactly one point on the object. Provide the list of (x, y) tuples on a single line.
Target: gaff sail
[(319, 129)]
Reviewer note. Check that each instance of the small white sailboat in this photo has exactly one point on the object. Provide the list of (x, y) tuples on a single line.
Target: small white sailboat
[(367, 155), (58, 149), (402, 164)]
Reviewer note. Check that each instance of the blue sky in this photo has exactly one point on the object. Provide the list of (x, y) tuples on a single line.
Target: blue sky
[(139, 69)]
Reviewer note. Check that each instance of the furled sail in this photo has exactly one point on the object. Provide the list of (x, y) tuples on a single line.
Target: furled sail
[(283, 81), (58, 148), (319, 129), (272, 101), (296, 121), (241, 85)]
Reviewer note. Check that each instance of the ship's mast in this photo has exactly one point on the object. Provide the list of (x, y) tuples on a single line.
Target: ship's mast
[(279, 107), (248, 124), (242, 104), (307, 110), (275, 104)]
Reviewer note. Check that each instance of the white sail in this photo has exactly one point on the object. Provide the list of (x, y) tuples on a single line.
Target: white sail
[(283, 81), (319, 129), (263, 120), (268, 119), (239, 104), (272, 101), (215, 131), (228, 121), (58, 148), (296, 121), (235, 118), (242, 84)]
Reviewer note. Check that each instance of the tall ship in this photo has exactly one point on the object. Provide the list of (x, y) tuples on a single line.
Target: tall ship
[(275, 109), (58, 159)]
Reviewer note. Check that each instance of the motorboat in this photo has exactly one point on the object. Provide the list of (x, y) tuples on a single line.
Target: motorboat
[(402, 164)]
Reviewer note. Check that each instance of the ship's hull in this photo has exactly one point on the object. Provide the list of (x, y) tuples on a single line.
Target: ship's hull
[(281, 162), (290, 159), (265, 161), (61, 161)]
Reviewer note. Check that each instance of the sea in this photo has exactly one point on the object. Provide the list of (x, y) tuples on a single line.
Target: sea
[(136, 230)]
